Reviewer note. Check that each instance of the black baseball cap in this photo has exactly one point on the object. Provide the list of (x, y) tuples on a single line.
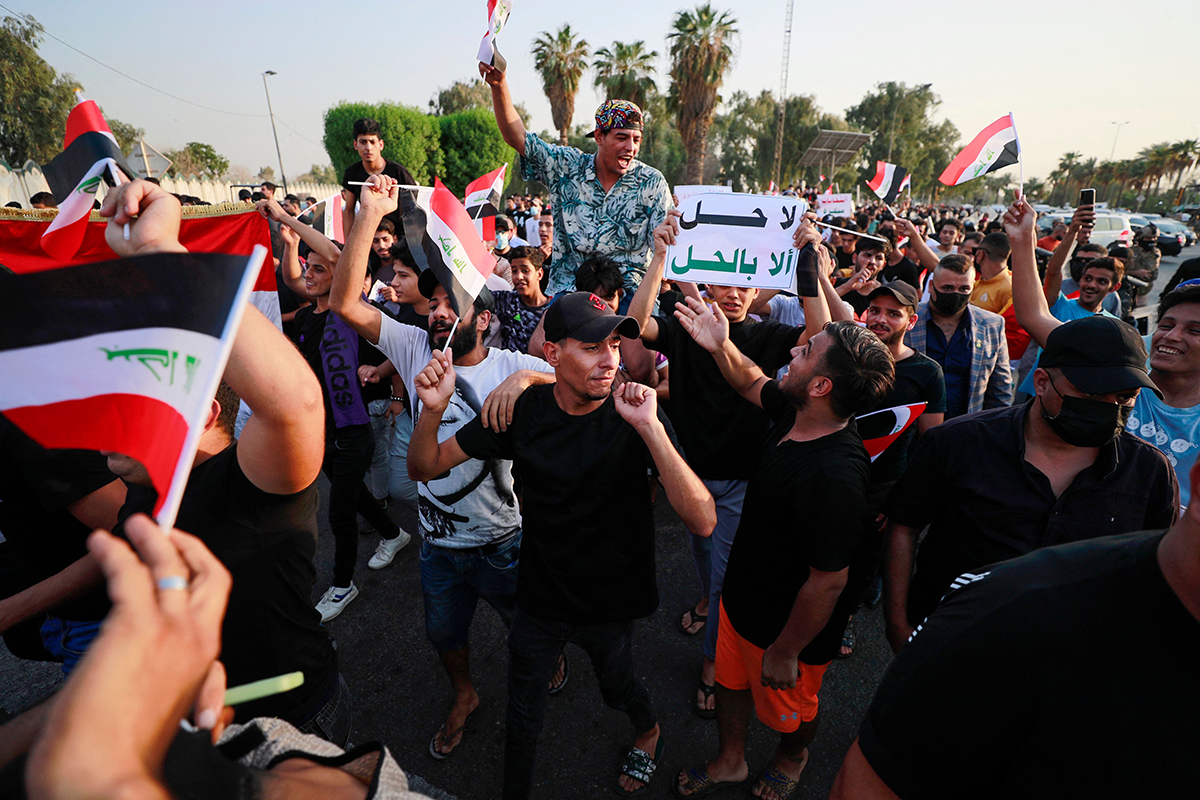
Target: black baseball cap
[(585, 317), (1099, 355), (905, 294), (427, 282)]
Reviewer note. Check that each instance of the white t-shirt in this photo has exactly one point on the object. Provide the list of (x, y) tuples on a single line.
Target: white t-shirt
[(532, 235), (790, 310), (475, 504)]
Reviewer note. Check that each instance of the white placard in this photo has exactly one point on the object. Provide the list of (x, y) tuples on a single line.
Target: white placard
[(684, 192), (736, 240), (839, 205)]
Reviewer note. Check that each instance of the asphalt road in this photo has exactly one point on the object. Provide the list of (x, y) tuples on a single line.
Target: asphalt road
[(402, 694)]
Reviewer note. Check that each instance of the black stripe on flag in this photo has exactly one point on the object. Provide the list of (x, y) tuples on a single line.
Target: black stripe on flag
[(1008, 157), (894, 188), (428, 255), (189, 291), (66, 170)]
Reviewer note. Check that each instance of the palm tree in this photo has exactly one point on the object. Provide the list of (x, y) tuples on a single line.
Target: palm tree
[(1186, 153), (1158, 162), (1062, 175), (561, 58), (701, 54), (624, 72), (1035, 188)]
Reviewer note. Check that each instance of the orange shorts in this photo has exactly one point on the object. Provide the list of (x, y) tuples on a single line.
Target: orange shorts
[(739, 667)]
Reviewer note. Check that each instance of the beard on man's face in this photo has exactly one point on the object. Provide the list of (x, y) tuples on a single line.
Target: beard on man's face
[(466, 338)]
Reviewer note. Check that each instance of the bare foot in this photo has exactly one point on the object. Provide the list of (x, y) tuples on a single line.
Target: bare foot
[(450, 735)]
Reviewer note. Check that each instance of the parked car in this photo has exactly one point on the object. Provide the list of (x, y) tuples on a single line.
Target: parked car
[(1170, 243), (1174, 226), (1112, 228)]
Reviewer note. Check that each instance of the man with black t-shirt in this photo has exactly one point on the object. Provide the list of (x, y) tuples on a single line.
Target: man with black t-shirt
[(1047, 677), (583, 579), (714, 424), (798, 533), (253, 500), (369, 144), (334, 351)]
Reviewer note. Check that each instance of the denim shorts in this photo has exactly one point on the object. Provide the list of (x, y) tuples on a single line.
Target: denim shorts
[(452, 581), (68, 640)]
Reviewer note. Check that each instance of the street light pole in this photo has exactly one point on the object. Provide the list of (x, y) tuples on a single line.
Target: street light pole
[(1118, 133), (282, 175)]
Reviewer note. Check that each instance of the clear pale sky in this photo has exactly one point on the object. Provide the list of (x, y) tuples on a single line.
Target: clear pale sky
[(1067, 70)]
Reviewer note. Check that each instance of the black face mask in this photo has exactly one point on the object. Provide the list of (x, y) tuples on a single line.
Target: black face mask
[(1083, 422), (950, 303)]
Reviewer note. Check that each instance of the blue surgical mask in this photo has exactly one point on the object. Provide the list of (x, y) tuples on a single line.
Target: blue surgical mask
[(501, 240)]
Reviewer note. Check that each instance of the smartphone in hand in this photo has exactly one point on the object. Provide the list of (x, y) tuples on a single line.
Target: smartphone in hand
[(1087, 197)]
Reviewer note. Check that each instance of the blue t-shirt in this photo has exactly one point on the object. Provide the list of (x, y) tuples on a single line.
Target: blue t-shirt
[(1174, 431), (1063, 310)]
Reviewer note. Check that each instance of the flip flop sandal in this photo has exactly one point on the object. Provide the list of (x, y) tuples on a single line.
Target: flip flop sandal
[(708, 691), (778, 782), (555, 689), (640, 766), (433, 750), (847, 641), (699, 782), (690, 612)]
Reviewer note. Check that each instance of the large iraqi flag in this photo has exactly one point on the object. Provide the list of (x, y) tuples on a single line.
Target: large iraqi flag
[(442, 237), (993, 148), (123, 355), (889, 181)]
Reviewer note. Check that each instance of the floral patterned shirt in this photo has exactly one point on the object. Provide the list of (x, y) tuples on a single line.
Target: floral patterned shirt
[(517, 320), (588, 221)]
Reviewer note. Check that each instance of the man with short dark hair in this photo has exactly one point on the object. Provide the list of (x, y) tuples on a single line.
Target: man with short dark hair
[(244, 196), (798, 533), (604, 204), (291, 204), (42, 200), (949, 232), (967, 342), (868, 259), (582, 579), (520, 310), (369, 144), (1051, 240), (268, 190), (1077, 263), (993, 287)]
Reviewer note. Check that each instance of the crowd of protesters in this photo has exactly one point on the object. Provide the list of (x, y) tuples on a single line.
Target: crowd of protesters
[(1029, 534)]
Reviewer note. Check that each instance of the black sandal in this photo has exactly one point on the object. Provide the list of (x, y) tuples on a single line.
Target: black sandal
[(640, 766), (708, 690), (690, 612)]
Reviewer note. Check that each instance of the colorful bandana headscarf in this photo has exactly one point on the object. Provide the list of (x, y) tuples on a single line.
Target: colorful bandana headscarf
[(614, 114)]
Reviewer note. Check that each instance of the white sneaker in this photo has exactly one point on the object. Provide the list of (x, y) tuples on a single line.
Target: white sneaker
[(335, 600), (387, 550)]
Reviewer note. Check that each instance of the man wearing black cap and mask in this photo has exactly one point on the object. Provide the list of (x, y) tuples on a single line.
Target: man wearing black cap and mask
[(1061, 468), (607, 204), (580, 449)]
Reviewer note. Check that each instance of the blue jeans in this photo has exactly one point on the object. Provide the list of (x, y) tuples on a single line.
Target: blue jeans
[(533, 648), (68, 640), (452, 581), (711, 553)]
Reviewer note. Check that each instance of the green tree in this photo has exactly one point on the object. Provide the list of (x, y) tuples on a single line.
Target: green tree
[(34, 98), (625, 72), (196, 159), (319, 174), (662, 147), (460, 96), (905, 132), (126, 135), (745, 137), (410, 137), (265, 174), (561, 58), (473, 146), (701, 55)]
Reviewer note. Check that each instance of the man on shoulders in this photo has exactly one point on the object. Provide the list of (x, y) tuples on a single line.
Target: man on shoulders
[(604, 204)]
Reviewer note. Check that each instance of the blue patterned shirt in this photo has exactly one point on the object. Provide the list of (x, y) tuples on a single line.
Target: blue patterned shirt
[(588, 221)]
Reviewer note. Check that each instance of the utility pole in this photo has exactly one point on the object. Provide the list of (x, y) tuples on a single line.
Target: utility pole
[(282, 175), (787, 51)]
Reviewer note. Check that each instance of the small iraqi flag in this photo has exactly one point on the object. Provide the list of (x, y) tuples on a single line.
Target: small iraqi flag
[(483, 201), (995, 147), (326, 216), (123, 356), (880, 428), (889, 181), (90, 154), (441, 237), (498, 11)]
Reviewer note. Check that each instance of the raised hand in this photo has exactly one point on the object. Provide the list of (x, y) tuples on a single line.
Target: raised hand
[(806, 232), (824, 260), (435, 383), (637, 405), (290, 237), (703, 323), (491, 76), (665, 233), (1084, 217), (380, 193), (1019, 221), (153, 216), (271, 209)]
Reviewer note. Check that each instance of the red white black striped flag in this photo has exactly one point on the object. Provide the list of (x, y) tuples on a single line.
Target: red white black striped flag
[(498, 11), (483, 201), (90, 154), (880, 428), (993, 148), (442, 237), (888, 182), (123, 356)]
